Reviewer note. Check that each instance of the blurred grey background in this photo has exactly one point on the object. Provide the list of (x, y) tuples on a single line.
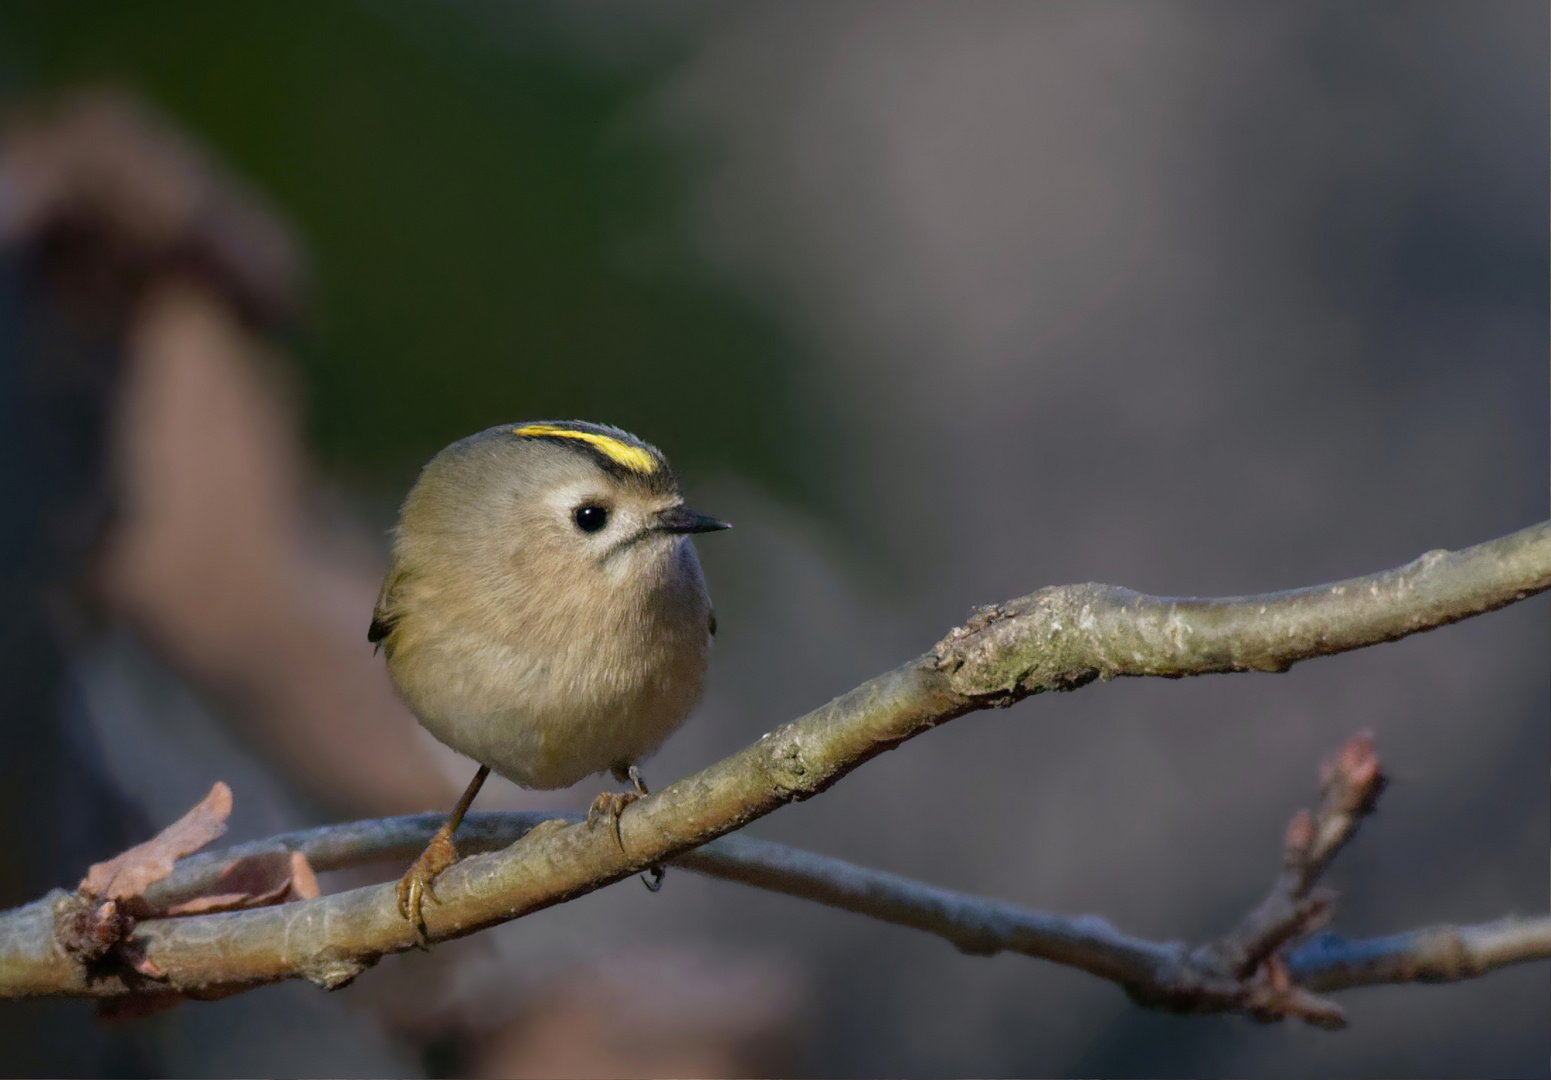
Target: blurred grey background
[(939, 303)]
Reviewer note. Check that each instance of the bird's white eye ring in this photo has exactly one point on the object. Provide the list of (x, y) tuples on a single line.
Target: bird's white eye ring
[(590, 518)]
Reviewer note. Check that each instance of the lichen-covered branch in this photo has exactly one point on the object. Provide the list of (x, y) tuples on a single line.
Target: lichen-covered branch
[(1056, 639), (1063, 637)]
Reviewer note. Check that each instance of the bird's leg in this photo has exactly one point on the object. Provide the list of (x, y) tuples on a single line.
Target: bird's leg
[(609, 805), (438, 855), (652, 879)]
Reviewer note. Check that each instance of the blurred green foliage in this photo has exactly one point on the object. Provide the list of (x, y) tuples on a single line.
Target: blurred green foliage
[(495, 231)]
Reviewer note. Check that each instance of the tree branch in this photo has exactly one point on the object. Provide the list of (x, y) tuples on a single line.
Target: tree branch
[(1056, 639), (1218, 977)]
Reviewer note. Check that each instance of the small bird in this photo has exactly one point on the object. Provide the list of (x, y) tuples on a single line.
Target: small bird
[(545, 613)]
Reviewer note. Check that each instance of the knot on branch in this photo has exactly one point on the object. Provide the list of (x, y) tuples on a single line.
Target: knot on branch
[(1200, 981), (88, 929), (1039, 642), (786, 764), (98, 935), (335, 972)]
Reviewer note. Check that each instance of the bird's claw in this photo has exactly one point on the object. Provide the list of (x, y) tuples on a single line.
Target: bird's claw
[(607, 807), (416, 885)]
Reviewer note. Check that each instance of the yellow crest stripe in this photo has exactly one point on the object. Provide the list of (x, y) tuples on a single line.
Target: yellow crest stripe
[(631, 457)]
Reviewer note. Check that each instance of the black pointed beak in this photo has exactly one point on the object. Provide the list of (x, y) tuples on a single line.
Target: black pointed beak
[(681, 519)]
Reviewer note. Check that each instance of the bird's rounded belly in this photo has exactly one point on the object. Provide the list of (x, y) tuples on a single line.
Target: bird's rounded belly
[(550, 723)]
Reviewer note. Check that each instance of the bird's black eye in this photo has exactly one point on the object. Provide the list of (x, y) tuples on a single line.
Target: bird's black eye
[(590, 518)]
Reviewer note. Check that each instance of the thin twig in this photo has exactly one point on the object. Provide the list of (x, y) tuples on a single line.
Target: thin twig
[(1056, 639), (1431, 954), (1350, 784)]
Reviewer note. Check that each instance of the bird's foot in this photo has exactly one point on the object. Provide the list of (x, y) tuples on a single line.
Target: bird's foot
[(415, 885), (607, 807), (610, 804)]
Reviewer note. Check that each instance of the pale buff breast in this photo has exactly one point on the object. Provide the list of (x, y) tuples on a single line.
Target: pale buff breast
[(548, 700)]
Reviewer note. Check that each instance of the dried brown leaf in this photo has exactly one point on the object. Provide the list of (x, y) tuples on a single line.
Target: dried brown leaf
[(127, 876), (304, 883), (205, 905), (272, 877)]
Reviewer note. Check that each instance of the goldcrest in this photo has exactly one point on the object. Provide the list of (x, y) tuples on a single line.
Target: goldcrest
[(545, 613)]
